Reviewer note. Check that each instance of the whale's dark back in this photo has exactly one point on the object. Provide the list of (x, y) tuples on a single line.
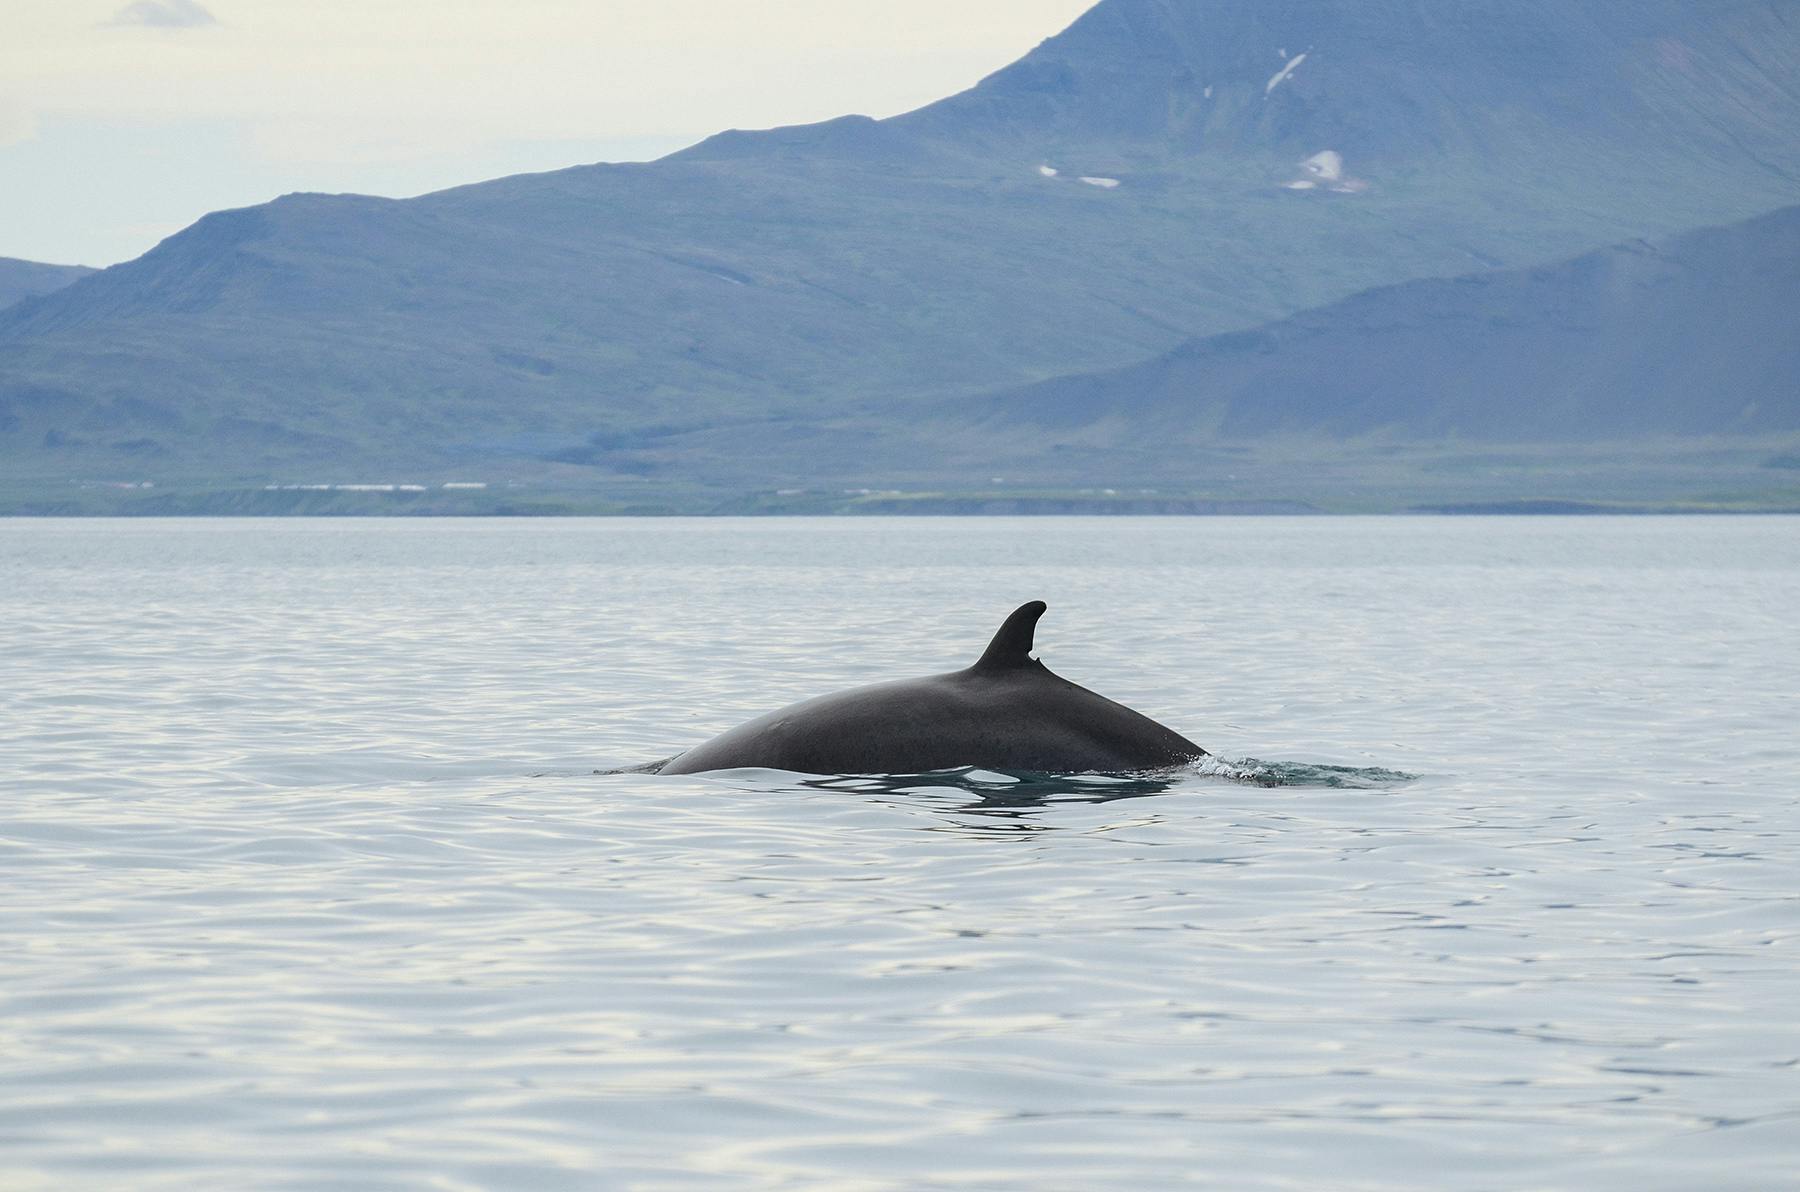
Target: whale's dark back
[(1006, 712)]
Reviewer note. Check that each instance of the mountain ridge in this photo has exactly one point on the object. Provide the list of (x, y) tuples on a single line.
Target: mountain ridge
[(21, 279), (851, 271), (1694, 335)]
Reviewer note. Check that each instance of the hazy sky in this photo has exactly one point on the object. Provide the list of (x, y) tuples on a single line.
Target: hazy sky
[(122, 121)]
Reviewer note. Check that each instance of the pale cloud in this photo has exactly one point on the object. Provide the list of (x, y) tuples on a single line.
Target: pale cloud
[(164, 14), (340, 95), (548, 69), (16, 122), (340, 139)]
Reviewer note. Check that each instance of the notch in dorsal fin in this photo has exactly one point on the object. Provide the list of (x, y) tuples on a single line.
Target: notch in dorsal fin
[(1011, 647)]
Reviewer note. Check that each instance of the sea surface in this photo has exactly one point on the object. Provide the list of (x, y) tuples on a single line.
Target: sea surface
[(308, 879)]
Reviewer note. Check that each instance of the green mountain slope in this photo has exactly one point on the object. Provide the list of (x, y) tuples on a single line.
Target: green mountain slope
[(1216, 164), (1698, 335), (27, 279)]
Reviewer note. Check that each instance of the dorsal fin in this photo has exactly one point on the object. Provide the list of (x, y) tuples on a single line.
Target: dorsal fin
[(1011, 647)]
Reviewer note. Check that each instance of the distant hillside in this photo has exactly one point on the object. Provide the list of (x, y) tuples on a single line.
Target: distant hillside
[(766, 303), (25, 279), (1695, 335)]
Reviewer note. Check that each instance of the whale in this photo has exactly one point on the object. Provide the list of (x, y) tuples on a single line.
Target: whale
[(1007, 712)]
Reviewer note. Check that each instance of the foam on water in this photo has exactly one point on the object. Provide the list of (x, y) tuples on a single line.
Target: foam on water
[(304, 890)]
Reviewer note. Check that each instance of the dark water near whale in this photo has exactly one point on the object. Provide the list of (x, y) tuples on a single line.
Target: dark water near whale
[(306, 880)]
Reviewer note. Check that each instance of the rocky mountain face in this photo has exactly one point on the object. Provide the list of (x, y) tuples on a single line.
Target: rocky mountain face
[(1696, 335), (1164, 169), (27, 279), (1399, 84)]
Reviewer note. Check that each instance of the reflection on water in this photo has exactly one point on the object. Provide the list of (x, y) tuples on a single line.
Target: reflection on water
[(309, 880), (1020, 795), (996, 800)]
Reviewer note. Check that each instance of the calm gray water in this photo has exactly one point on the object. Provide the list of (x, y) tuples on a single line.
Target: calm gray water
[(306, 880)]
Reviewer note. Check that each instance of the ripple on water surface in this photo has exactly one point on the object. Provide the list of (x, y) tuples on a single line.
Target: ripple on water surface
[(308, 881)]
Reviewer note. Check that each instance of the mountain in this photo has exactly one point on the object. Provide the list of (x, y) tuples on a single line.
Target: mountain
[(26, 279), (770, 304), (1696, 335)]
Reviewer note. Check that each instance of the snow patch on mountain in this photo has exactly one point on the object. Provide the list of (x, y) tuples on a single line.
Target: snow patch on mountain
[(1324, 170), (1327, 166), (1285, 73)]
